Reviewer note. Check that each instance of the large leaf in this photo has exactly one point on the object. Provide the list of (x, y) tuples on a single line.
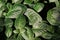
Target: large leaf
[(20, 22), (28, 34), (53, 16), (16, 10), (33, 16), (43, 26)]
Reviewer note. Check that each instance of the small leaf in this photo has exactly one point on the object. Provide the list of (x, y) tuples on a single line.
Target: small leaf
[(38, 7)]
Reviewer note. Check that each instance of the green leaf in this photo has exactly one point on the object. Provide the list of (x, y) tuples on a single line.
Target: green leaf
[(46, 35), (16, 31), (30, 34), (16, 10), (13, 37), (43, 26), (8, 22), (38, 7), (33, 16), (8, 32), (53, 16), (27, 34), (19, 37), (9, 6), (20, 22), (42, 33), (38, 32)]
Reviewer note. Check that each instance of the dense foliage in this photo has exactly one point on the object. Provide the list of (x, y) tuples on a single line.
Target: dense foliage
[(22, 20)]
